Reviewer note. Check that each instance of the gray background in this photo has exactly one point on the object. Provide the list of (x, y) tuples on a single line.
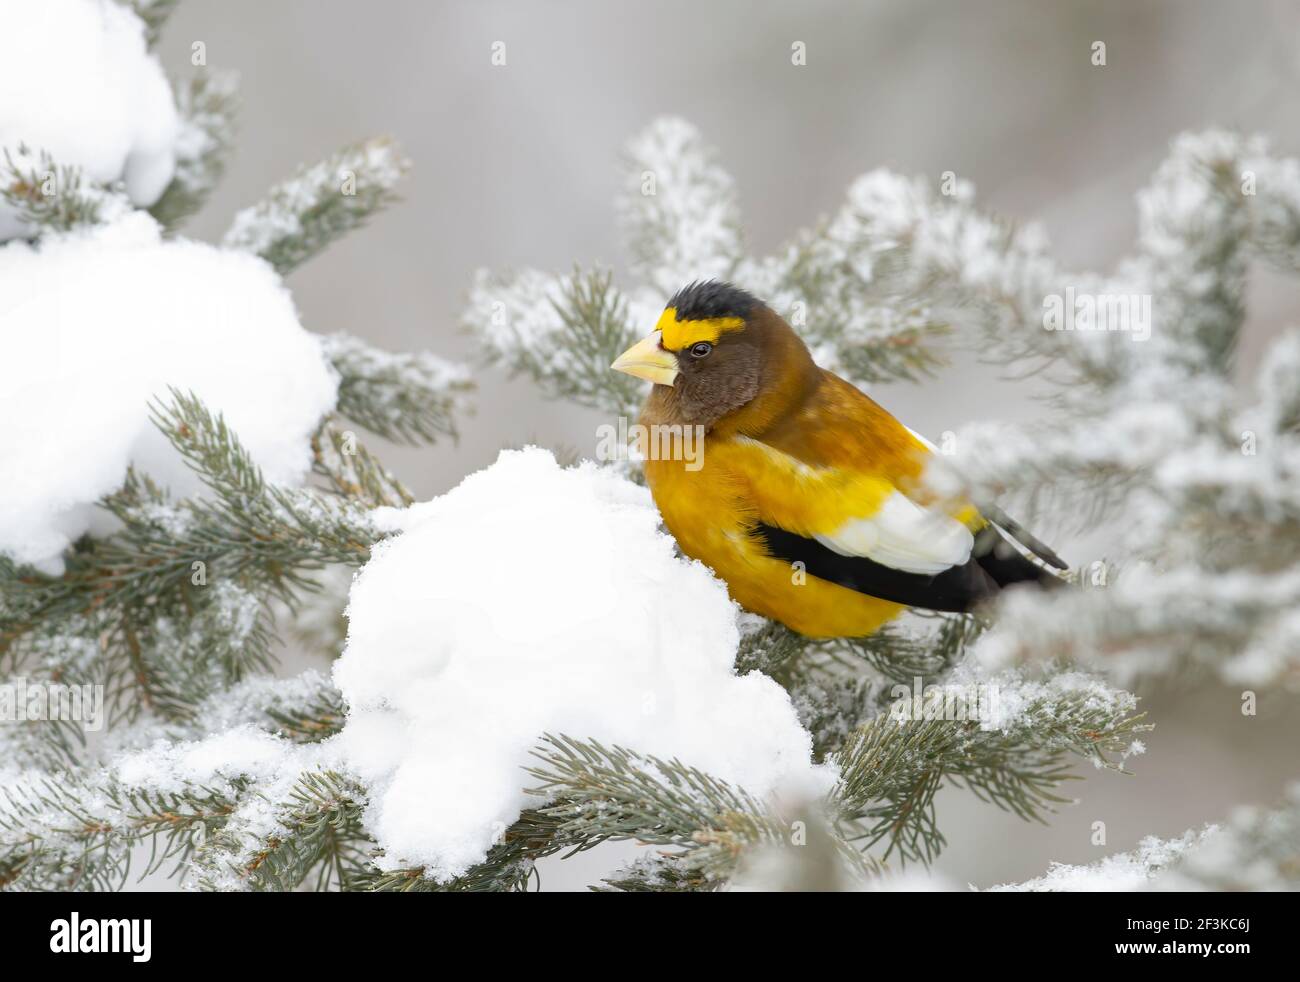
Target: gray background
[(517, 166)]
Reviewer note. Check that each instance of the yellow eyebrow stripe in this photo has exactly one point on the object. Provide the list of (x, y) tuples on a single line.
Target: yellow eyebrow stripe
[(682, 334)]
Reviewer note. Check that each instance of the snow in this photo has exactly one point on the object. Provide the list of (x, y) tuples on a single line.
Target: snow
[(396, 378), (95, 324), (248, 703), (1255, 850), (518, 312), (678, 207), (242, 751), (533, 599), (377, 163), (78, 82), (1019, 701), (257, 767), (517, 319), (1124, 871)]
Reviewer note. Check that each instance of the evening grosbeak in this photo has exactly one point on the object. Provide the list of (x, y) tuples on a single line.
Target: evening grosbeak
[(807, 498)]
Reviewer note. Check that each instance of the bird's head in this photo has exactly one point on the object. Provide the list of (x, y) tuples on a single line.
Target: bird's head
[(713, 351)]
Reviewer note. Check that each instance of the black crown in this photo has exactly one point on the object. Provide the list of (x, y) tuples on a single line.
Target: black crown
[(706, 299)]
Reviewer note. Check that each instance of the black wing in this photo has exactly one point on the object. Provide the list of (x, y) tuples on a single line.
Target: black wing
[(994, 563)]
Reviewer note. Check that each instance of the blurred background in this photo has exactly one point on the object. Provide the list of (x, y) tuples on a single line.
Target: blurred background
[(518, 166)]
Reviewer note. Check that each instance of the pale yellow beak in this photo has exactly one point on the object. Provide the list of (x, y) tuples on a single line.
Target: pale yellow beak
[(647, 359)]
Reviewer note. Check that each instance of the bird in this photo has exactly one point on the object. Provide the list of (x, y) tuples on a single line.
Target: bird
[(807, 498)]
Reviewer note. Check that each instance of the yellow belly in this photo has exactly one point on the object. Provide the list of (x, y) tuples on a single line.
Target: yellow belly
[(707, 512)]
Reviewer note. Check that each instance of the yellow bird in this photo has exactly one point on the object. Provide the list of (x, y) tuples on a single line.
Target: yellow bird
[(805, 496)]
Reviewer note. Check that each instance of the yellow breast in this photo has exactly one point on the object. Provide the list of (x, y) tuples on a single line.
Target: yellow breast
[(711, 513)]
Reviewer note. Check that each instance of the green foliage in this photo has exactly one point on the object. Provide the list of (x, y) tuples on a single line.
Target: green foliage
[(892, 769), (207, 104), (160, 594), (562, 332), (77, 832), (319, 204), (597, 330), (53, 197), (407, 398), (318, 842), (317, 721), (154, 13), (614, 793)]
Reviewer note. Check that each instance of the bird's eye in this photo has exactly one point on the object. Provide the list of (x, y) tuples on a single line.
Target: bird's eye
[(700, 349)]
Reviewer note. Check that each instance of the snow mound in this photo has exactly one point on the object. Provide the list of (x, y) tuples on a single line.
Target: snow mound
[(93, 325), (78, 81), (534, 599)]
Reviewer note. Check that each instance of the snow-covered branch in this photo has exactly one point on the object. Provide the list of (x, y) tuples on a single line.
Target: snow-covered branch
[(320, 203), (1199, 478), (207, 105), (406, 397), (81, 86), (1255, 849)]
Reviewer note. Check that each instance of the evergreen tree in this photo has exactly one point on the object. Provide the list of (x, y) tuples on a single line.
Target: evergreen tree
[(172, 590)]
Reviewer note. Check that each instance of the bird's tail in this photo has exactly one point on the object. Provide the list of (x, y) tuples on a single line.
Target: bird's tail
[(1010, 527), (1006, 564)]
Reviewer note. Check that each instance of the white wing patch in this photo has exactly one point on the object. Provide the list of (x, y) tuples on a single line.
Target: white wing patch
[(904, 536)]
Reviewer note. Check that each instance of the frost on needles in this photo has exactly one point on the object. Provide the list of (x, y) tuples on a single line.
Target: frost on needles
[(144, 545)]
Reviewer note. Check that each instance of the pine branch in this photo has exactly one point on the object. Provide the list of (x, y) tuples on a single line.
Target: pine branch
[(873, 291), (189, 567), (875, 328), (656, 872), (563, 332), (1156, 438), (303, 709), (508, 868), (76, 832), (230, 805), (316, 836), (319, 204), (596, 794), (1238, 624), (613, 793), (678, 208), (53, 198), (404, 397), (836, 685), (1134, 870), (314, 617), (354, 472), (207, 104), (768, 647), (902, 657), (1256, 849), (154, 13), (891, 768), (317, 721), (45, 744)]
